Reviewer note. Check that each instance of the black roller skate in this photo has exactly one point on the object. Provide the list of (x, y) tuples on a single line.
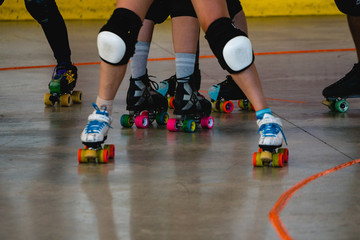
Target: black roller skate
[(347, 87), (61, 86), (167, 87), (227, 90), (144, 104), (192, 109)]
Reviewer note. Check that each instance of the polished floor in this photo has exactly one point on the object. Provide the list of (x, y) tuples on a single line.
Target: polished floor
[(165, 185)]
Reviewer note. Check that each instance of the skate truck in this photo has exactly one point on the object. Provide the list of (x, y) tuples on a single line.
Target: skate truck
[(221, 95)]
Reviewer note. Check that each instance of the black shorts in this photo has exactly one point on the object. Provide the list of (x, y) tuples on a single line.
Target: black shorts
[(350, 7), (161, 9)]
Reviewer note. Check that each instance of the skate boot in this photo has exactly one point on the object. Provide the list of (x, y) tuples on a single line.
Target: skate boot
[(167, 89), (61, 86), (227, 90), (192, 109), (95, 134), (144, 104), (347, 87), (271, 138)]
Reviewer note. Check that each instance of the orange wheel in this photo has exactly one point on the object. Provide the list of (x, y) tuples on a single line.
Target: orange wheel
[(227, 107), (278, 160), (171, 102), (81, 156), (111, 150), (103, 156), (257, 160), (284, 151)]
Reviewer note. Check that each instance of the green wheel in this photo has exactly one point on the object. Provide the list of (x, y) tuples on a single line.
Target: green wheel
[(162, 118), (189, 126), (341, 106), (125, 121)]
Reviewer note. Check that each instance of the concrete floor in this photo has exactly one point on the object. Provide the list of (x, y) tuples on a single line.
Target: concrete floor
[(165, 185)]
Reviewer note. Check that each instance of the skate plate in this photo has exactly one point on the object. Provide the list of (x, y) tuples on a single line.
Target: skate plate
[(96, 155), (189, 123), (338, 104), (275, 158), (65, 100), (143, 119)]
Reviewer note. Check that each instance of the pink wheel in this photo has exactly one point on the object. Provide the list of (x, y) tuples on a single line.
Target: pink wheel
[(207, 122), (227, 107), (172, 125), (141, 121)]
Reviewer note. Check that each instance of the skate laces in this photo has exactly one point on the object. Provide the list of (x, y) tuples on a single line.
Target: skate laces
[(95, 126), (271, 130)]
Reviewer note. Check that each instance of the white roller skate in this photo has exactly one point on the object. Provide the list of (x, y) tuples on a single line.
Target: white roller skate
[(271, 139), (95, 134)]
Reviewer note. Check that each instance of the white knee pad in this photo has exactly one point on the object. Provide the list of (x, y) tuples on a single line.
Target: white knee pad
[(238, 53), (111, 47)]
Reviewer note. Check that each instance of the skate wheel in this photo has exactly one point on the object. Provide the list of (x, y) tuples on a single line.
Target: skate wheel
[(227, 107), (341, 106), (162, 118), (141, 121), (278, 160), (245, 104), (172, 125), (214, 106), (103, 156), (171, 102), (125, 121), (47, 100), (111, 150), (257, 160), (189, 126), (207, 122), (285, 152), (65, 100), (76, 96), (81, 156), (145, 113)]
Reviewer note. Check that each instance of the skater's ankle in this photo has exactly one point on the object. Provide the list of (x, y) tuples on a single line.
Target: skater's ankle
[(106, 105), (260, 114)]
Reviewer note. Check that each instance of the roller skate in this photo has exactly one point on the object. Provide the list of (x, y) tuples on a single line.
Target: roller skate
[(347, 87), (271, 138), (227, 90), (95, 134), (144, 104), (191, 109), (61, 86)]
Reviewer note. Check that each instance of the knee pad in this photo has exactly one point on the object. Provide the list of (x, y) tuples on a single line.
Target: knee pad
[(230, 45), (348, 7), (40, 9), (117, 38)]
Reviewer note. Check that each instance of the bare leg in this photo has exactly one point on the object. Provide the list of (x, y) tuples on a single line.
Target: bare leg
[(111, 76), (248, 80), (185, 34)]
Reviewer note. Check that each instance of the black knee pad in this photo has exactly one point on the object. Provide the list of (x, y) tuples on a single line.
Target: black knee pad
[(350, 7), (117, 38), (41, 10), (230, 45)]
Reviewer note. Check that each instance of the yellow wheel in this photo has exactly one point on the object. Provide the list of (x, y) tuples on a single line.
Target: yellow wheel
[(278, 160), (76, 96), (214, 106), (65, 100), (103, 156), (47, 101)]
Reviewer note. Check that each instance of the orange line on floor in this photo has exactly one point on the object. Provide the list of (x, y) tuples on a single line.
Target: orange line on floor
[(205, 56), (285, 197)]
